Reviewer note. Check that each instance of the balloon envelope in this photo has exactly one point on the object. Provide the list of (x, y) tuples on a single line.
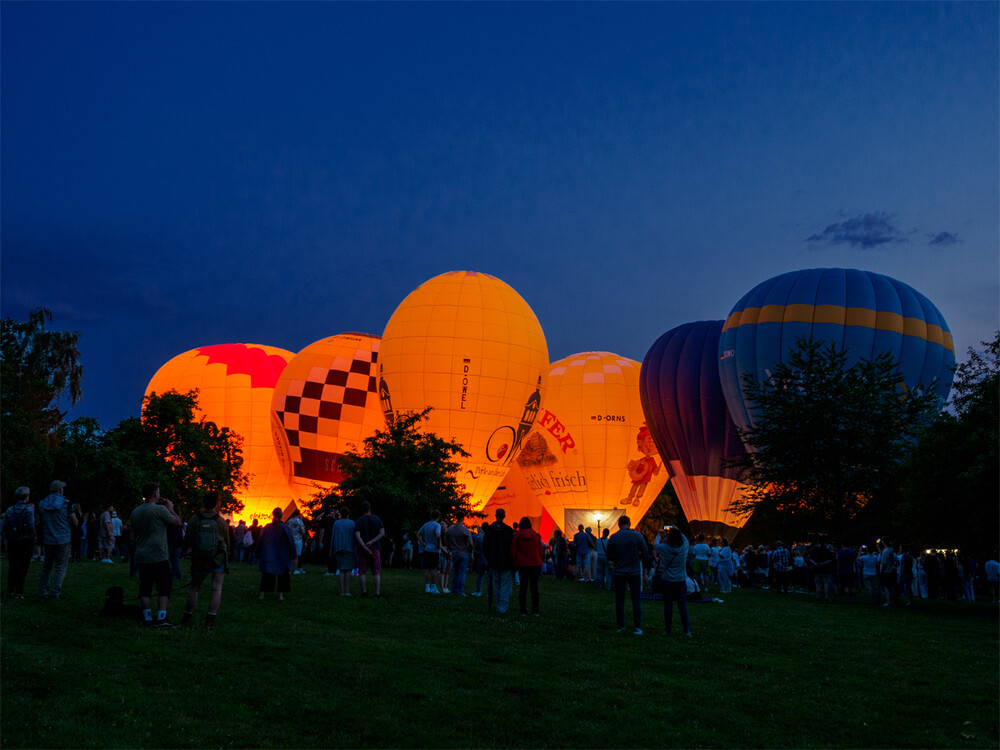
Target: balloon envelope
[(324, 404), (590, 455), (686, 412), (863, 313), (235, 384), (518, 500), (467, 345)]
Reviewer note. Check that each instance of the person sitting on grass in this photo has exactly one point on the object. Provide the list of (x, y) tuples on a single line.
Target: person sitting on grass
[(208, 539)]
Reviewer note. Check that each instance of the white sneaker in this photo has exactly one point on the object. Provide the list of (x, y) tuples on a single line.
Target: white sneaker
[(329, 574), (475, 594), (445, 591)]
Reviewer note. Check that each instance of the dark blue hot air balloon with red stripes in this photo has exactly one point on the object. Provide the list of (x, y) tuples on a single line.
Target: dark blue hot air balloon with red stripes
[(863, 313), (686, 412)]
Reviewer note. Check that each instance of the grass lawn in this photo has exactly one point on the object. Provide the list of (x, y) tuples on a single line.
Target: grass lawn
[(415, 670)]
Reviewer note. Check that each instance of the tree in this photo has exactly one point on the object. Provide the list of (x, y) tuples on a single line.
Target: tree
[(952, 480), (188, 457), (665, 511), (827, 440), (404, 473), (38, 368)]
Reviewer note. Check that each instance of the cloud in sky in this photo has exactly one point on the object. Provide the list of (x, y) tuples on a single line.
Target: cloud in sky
[(867, 231), (943, 238)]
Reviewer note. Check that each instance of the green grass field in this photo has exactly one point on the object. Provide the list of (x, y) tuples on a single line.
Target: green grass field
[(422, 671)]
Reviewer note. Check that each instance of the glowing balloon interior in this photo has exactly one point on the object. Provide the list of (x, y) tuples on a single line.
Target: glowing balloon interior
[(686, 411), (469, 346), (235, 383), (326, 403), (863, 313), (518, 501), (590, 451)]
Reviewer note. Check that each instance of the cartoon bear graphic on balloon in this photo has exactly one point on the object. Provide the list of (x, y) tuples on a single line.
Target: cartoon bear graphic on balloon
[(642, 470)]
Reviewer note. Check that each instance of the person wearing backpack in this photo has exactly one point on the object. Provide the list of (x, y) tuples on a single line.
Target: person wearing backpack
[(19, 534), (207, 537)]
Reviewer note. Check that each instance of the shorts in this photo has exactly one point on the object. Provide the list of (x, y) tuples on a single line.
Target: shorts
[(346, 561), (824, 579), (106, 542), (888, 580), (374, 560), (298, 547), (699, 566), (583, 559), (197, 576), (848, 580), (430, 560), (157, 574), (870, 581)]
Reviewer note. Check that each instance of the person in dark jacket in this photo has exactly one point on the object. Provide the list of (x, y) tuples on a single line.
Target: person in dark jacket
[(526, 551), (275, 551), (627, 552), (496, 546)]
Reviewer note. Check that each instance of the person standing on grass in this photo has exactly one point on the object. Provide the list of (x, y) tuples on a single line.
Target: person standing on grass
[(324, 540), (458, 540), (480, 558), (846, 564), (526, 552), (430, 537), (905, 574), (499, 537), (887, 565), (298, 529), (726, 567), (207, 537), (275, 552), (19, 535), (149, 532), (344, 548), (56, 516), (106, 540), (627, 553), (781, 567), (368, 531), (583, 543), (673, 552)]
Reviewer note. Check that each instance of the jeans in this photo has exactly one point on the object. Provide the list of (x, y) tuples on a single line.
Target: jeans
[(57, 557), (529, 580), (501, 581), (459, 567), (675, 591), (634, 583), (603, 577)]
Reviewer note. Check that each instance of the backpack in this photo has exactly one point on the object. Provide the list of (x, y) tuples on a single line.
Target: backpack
[(206, 538), (15, 528)]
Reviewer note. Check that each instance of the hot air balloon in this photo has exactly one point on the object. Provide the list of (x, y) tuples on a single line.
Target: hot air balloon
[(518, 500), (863, 313), (235, 383), (686, 412), (467, 345), (324, 404), (590, 456)]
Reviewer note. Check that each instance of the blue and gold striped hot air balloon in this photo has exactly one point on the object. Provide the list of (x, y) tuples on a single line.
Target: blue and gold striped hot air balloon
[(863, 313)]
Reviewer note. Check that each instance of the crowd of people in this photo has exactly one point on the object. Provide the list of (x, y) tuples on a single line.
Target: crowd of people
[(153, 539)]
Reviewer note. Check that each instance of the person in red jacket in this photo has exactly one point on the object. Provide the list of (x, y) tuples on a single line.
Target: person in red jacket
[(526, 552)]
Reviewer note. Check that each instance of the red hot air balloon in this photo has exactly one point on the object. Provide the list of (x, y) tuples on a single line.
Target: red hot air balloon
[(685, 409)]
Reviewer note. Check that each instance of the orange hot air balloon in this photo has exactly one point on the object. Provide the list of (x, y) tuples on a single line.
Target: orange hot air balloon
[(467, 345), (235, 384), (518, 500), (326, 403), (591, 456)]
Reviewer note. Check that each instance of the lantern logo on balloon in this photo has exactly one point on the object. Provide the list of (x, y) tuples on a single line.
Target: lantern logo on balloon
[(468, 346), (325, 403)]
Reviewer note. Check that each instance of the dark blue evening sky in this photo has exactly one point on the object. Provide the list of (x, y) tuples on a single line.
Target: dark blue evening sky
[(174, 175)]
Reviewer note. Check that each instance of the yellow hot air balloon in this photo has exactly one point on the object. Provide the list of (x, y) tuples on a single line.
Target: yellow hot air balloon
[(235, 384), (590, 456), (326, 403), (467, 345), (518, 500)]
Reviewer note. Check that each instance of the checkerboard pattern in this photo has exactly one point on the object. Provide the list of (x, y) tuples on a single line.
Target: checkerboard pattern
[(314, 410)]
